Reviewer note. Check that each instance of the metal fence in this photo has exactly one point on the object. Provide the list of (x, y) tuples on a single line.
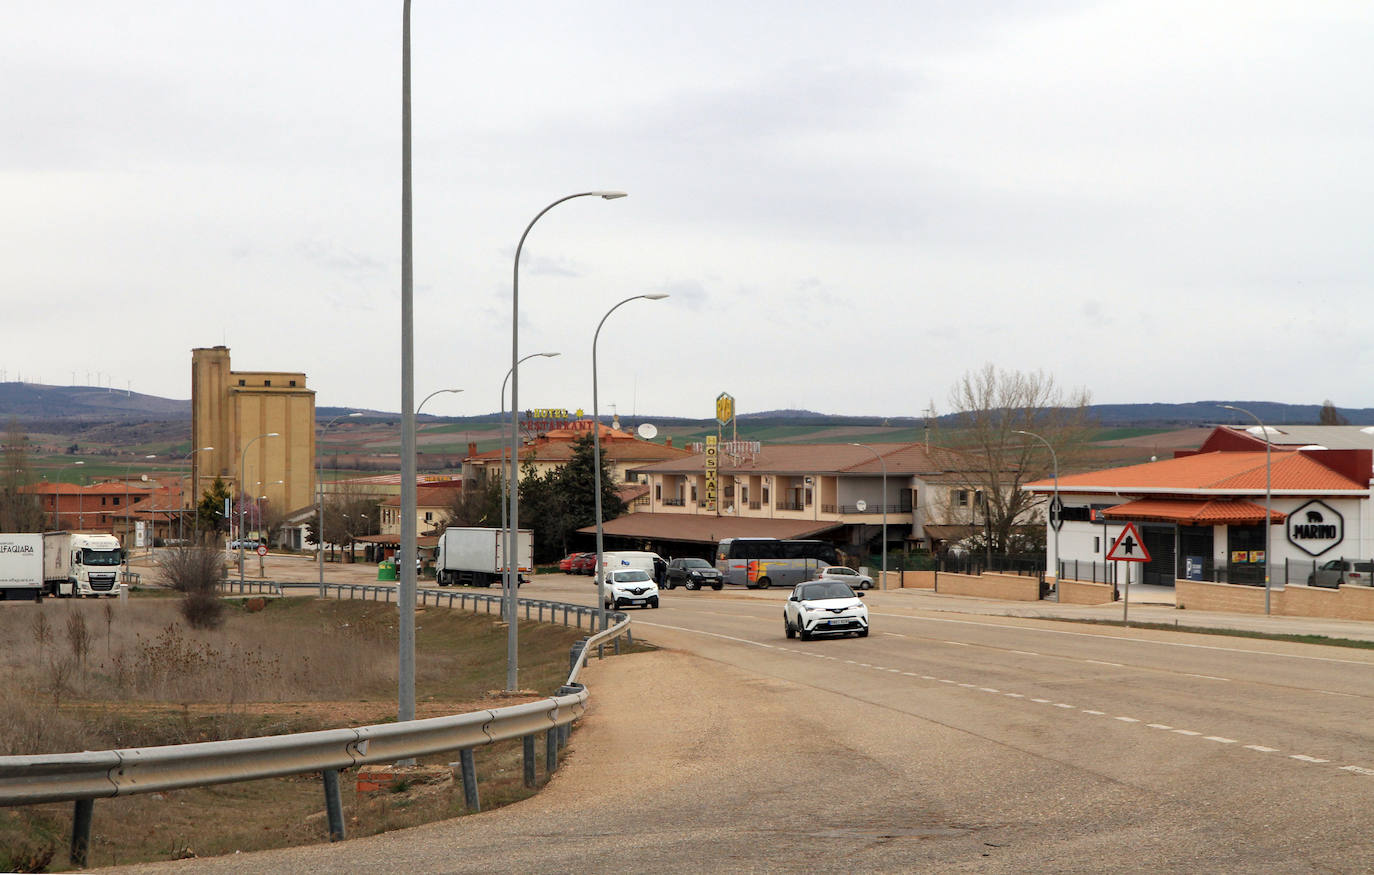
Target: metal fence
[(1027, 564), (84, 777)]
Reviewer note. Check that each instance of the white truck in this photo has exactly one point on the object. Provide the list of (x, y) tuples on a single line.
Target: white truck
[(470, 556), (21, 567), (59, 564)]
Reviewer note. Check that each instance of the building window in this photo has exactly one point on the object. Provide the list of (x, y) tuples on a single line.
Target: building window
[(267, 382), (658, 492), (960, 497), (293, 384), (429, 516), (243, 382), (694, 494)]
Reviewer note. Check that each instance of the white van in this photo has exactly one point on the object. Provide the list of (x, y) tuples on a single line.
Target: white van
[(651, 563)]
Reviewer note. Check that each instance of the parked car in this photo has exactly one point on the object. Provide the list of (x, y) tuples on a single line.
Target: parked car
[(583, 563), (693, 574), (846, 574), (630, 586), (565, 564), (244, 544), (1340, 572), (824, 607)]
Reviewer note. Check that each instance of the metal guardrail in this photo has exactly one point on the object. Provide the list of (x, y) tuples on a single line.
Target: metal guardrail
[(84, 777)]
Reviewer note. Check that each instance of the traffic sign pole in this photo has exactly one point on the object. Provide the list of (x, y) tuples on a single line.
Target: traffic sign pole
[(1128, 547)]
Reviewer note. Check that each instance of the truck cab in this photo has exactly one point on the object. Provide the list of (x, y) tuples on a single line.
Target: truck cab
[(77, 564)]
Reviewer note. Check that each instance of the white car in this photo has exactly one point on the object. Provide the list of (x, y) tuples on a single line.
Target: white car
[(848, 575), (632, 586), (824, 607)]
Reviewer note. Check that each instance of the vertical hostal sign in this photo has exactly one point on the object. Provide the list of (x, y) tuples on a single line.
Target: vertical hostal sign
[(711, 458)]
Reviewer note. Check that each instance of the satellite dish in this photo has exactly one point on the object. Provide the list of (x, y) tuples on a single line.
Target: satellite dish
[(861, 505), (647, 430)]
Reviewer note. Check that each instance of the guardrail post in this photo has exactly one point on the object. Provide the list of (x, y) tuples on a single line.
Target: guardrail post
[(81, 831), (333, 804), (575, 653), (469, 779), (529, 760), (617, 645), (551, 745)]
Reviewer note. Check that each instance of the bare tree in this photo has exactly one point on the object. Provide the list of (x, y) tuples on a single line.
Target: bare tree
[(20, 510), (991, 405), (477, 504)]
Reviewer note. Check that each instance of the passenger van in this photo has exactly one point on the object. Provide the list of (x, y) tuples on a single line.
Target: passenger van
[(652, 563)]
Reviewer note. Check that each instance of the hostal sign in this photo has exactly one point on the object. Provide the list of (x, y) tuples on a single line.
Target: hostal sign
[(1315, 528)]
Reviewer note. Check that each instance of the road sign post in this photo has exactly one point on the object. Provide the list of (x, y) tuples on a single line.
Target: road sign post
[(1128, 547)]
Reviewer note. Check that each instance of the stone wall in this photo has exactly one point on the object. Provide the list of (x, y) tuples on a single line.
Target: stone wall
[(1078, 592)]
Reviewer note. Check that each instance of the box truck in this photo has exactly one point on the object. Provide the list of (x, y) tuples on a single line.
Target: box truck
[(470, 556), (21, 567)]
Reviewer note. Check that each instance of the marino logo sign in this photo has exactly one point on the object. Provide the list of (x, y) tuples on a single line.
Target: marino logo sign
[(1315, 528)]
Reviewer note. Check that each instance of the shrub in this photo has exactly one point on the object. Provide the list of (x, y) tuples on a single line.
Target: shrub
[(195, 572)]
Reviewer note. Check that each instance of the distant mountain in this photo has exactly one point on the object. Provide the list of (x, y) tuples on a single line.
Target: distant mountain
[(31, 402)]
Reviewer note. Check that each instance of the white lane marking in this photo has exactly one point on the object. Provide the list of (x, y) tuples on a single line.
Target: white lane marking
[(927, 677), (970, 686), (1159, 726), (1359, 770), (911, 674), (989, 690), (1126, 719), (1219, 739), (1101, 662), (1188, 732), (1305, 758), (959, 643), (712, 635), (851, 662), (1091, 711), (1017, 695), (1334, 693), (1261, 748), (1205, 677), (1062, 705), (1025, 652), (1041, 701), (1117, 638), (895, 670)]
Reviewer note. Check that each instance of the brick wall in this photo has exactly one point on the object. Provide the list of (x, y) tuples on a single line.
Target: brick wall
[(1009, 587), (1346, 603), (1075, 592), (910, 579)]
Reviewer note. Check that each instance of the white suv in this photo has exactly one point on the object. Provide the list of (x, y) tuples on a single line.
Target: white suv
[(847, 575), (632, 586), (824, 607)]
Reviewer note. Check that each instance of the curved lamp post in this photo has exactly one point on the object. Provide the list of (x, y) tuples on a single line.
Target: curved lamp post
[(596, 455), (1055, 457), (181, 511), (319, 498), (1268, 494), (243, 461), (507, 596), (511, 572), (882, 462)]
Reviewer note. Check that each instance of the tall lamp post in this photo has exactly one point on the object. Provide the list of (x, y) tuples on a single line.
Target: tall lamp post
[(1056, 507), (243, 461), (181, 511), (1268, 493), (596, 455), (319, 498), (128, 471), (57, 500), (514, 515), (882, 462)]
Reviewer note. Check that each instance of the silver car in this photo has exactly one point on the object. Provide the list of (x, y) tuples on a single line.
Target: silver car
[(846, 574)]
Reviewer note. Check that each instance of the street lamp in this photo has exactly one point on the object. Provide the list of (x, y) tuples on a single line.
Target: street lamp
[(514, 517), (882, 462), (57, 500), (243, 461), (431, 395), (1056, 508), (319, 498), (508, 599), (596, 456), (181, 511), (1268, 494), (128, 470)]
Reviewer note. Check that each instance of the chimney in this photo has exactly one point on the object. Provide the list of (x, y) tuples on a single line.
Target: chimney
[(472, 448), (668, 442)]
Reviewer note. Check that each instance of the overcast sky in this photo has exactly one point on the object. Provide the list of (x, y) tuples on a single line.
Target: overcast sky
[(851, 205)]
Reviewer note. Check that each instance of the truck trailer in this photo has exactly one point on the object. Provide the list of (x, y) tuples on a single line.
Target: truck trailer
[(471, 556), (21, 567)]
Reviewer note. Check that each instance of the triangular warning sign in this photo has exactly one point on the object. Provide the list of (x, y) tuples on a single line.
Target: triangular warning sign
[(1128, 547)]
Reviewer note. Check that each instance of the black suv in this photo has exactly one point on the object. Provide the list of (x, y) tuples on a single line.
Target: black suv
[(693, 574)]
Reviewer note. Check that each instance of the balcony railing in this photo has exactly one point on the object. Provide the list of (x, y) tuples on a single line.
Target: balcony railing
[(872, 508), (788, 505), (675, 502)]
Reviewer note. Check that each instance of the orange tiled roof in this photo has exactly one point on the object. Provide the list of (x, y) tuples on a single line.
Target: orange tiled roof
[(1193, 513), (912, 458), (1216, 471)]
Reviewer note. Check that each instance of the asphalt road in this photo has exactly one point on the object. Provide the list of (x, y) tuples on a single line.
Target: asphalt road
[(943, 742)]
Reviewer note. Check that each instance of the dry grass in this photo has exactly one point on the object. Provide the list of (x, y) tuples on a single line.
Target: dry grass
[(92, 675)]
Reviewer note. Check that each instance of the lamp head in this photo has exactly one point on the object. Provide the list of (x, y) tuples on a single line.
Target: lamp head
[(550, 355), (656, 296), (610, 195)]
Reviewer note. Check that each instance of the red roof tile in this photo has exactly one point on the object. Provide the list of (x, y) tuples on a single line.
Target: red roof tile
[(1216, 471), (1193, 513)]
